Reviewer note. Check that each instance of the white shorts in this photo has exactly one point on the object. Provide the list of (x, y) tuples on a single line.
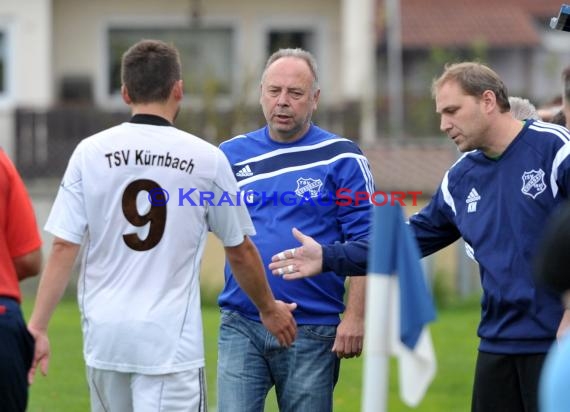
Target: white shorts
[(112, 391)]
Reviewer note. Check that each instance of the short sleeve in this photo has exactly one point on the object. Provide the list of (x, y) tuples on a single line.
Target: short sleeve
[(228, 218), (22, 235), (68, 216)]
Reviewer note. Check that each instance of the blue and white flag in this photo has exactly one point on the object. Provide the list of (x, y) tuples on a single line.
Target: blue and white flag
[(398, 308)]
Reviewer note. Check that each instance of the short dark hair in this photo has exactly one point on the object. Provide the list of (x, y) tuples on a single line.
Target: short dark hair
[(149, 70), (559, 118), (475, 79)]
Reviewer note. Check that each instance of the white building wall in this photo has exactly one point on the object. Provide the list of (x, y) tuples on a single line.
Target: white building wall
[(27, 24), (80, 28)]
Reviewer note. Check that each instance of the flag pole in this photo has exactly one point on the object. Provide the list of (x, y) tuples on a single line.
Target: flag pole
[(376, 344), (398, 308)]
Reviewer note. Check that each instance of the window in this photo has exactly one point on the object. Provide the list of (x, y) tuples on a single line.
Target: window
[(206, 55), (279, 39)]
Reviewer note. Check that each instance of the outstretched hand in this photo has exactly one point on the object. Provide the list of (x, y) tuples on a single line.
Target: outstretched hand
[(299, 262)]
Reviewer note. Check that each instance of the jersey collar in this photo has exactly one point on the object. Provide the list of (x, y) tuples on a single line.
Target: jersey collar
[(149, 119)]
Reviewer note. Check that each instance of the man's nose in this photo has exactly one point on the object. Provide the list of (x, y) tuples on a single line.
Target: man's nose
[(444, 124), (283, 99)]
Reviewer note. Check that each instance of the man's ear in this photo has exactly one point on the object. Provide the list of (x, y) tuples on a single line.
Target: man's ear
[(125, 94), (178, 90), (489, 99), (316, 96)]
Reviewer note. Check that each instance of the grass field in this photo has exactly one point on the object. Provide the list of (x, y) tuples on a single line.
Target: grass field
[(64, 389)]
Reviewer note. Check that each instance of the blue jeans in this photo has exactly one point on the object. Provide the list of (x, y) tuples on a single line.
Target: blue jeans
[(251, 361)]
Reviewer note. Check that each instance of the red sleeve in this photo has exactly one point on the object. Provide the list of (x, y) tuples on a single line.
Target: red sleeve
[(21, 230)]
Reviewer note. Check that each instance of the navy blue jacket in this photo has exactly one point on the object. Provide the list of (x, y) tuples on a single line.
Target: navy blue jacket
[(499, 207)]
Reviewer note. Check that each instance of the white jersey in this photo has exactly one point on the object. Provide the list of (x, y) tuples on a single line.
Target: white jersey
[(131, 194)]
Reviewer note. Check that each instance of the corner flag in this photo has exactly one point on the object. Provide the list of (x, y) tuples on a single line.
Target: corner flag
[(398, 308)]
